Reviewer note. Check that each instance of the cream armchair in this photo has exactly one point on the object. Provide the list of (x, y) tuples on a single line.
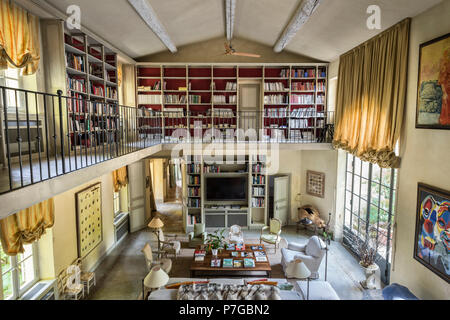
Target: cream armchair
[(310, 253), (168, 246), (235, 235), (198, 236), (164, 263), (273, 237)]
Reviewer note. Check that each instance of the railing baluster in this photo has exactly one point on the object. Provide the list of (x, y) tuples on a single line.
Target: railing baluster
[(54, 136), (8, 151), (30, 156), (19, 139), (61, 130), (68, 134)]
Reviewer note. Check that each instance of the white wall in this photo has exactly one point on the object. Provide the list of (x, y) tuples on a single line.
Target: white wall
[(425, 158)]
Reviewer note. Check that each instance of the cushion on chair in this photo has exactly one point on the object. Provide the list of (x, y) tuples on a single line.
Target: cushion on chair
[(236, 238), (199, 229), (275, 225), (314, 246), (87, 276), (270, 238)]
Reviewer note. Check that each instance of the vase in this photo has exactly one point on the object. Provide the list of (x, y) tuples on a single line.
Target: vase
[(214, 252), (370, 272)]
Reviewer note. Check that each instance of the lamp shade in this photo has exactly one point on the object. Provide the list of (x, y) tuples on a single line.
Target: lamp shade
[(299, 270), (156, 223), (156, 278)]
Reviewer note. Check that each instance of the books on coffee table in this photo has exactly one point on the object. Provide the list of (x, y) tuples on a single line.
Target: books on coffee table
[(261, 259), (255, 248), (215, 263), (259, 254), (235, 254), (237, 263), (227, 263), (230, 247), (199, 258), (199, 255), (240, 247), (249, 263)]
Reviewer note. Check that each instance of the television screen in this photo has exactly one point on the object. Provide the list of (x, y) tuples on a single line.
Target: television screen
[(226, 189)]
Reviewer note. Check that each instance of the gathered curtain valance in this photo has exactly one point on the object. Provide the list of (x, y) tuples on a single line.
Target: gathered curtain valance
[(371, 96), (26, 226), (120, 178), (19, 38)]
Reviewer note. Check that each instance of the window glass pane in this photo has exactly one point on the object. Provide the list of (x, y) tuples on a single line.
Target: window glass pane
[(26, 272), (5, 261), (356, 183), (349, 181), (385, 198), (384, 220), (349, 162), (375, 193), (355, 224), (357, 166), (376, 171), (355, 204), (363, 209), (27, 253), (386, 177), (348, 198), (364, 188), (347, 218), (373, 215), (7, 285), (365, 170)]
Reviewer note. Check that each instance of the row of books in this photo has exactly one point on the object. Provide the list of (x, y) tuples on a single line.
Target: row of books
[(75, 62), (258, 158), (223, 99), (258, 202), (303, 113), (234, 263), (174, 113), (149, 99), (76, 84), (199, 255), (259, 179), (111, 93), (155, 86), (275, 99), (174, 98), (194, 191), (258, 191), (320, 99), (321, 86), (231, 86), (303, 86), (298, 123), (194, 180), (302, 98), (236, 246), (276, 112), (303, 73), (211, 169), (194, 203), (193, 219), (274, 86), (258, 168), (195, 99), (98, 90), (193, 168), (86, 125), (222, 112), (96, 70), (147, 112)]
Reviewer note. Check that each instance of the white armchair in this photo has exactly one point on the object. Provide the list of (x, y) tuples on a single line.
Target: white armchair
[(235, 235), (168, 246), (310, 253), (164, 263)]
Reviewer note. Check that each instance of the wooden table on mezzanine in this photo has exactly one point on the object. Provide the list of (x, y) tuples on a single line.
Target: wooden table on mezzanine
[(205, 265)]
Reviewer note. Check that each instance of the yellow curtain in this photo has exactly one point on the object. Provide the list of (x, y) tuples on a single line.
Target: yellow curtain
[(19, 38), (26, 226), (120, 178), (371, 96)]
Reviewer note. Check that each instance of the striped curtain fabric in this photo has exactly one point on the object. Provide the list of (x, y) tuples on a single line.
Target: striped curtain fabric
[(26, 226), (19, 38)]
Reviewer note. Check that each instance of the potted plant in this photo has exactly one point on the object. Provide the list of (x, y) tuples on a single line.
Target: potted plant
[(367, 253), (215, 241)]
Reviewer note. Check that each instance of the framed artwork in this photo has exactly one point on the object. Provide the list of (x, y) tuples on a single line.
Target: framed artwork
[(433, 92), (315, 183), (432, 237), (89, 219)]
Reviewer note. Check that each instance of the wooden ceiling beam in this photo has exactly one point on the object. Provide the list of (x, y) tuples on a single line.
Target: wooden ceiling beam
[(230, 9)]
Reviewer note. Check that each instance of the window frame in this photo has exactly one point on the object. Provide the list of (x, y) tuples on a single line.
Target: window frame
[(364, 221), (119, 210), (17, 291)]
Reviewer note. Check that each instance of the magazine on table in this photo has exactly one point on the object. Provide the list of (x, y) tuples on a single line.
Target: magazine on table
[(249, 263), (261, 259), (227, 263), (238, 263), (259, 254), (215, 263)]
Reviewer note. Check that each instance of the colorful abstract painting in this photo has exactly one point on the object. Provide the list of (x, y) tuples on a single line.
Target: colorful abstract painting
[(432, 241), (433, 101)]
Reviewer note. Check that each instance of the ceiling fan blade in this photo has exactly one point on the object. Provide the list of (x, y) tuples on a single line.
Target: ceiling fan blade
[(244, 54)]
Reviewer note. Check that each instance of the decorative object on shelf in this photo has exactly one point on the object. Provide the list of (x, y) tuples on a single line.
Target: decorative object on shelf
[(154, 280), (89, 219), (433, 92), (315, 183), (274, 233), (216, 241), (299, 270), (367, 253), (431, 242), (309, 215)]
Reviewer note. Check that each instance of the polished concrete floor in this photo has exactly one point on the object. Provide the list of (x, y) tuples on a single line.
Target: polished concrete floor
[(120, 274)]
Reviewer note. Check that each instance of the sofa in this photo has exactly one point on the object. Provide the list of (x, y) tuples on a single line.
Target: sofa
[(311, 253), (174, 294)]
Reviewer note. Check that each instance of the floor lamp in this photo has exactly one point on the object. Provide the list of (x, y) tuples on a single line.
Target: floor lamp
[(301, 271), (156, 224)]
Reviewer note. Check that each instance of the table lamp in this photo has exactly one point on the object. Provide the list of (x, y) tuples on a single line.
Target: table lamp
[(155, 279), (300, 271)]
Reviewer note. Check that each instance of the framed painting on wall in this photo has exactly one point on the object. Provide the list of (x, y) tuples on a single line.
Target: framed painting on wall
[(89, 219), (433, 92), (315, 183), (432, 236)]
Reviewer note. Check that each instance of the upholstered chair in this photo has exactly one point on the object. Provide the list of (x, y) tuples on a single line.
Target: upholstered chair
[(164, 263), (235, 235), (311, 253), (273, 237), (198, 236), (168, 246)]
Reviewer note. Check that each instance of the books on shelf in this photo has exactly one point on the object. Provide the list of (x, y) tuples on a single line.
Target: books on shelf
[(249, 263), (193, 168), (303, 86), (174, 113), (215, 263), (194, 179), (76, 84), (230, 86), (303, 113), (149, 99), (274, 86), (259, 179), (231, 246), (302, 99), (223, 112), (321, 86), (303, 73), (155, 86), (276, 112), (298, 123), (258, 168), (174, 98), (258, 191), (193, 203), (111, 93), (321, 99), (219, 99), (284, 73), (211, 169), (195, 99), (193, 219), (228, 263), (193, 191), (96, 70), (97, 90), (75, 62), (147, 112), (244, 254), (276, 99), (257, 202), (240, 247)]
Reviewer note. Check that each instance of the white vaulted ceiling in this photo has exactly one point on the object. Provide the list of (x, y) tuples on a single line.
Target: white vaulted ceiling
[(334, 28)]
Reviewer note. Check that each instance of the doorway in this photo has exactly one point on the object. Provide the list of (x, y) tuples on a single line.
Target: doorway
[(279, 198)]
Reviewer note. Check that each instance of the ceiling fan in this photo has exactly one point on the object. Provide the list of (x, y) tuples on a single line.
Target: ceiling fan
[(230, 51)]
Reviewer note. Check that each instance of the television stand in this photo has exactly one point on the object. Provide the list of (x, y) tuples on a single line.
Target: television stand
[(225, 217)]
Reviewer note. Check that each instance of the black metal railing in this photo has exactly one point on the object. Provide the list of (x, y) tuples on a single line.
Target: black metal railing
[(48, 135)]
